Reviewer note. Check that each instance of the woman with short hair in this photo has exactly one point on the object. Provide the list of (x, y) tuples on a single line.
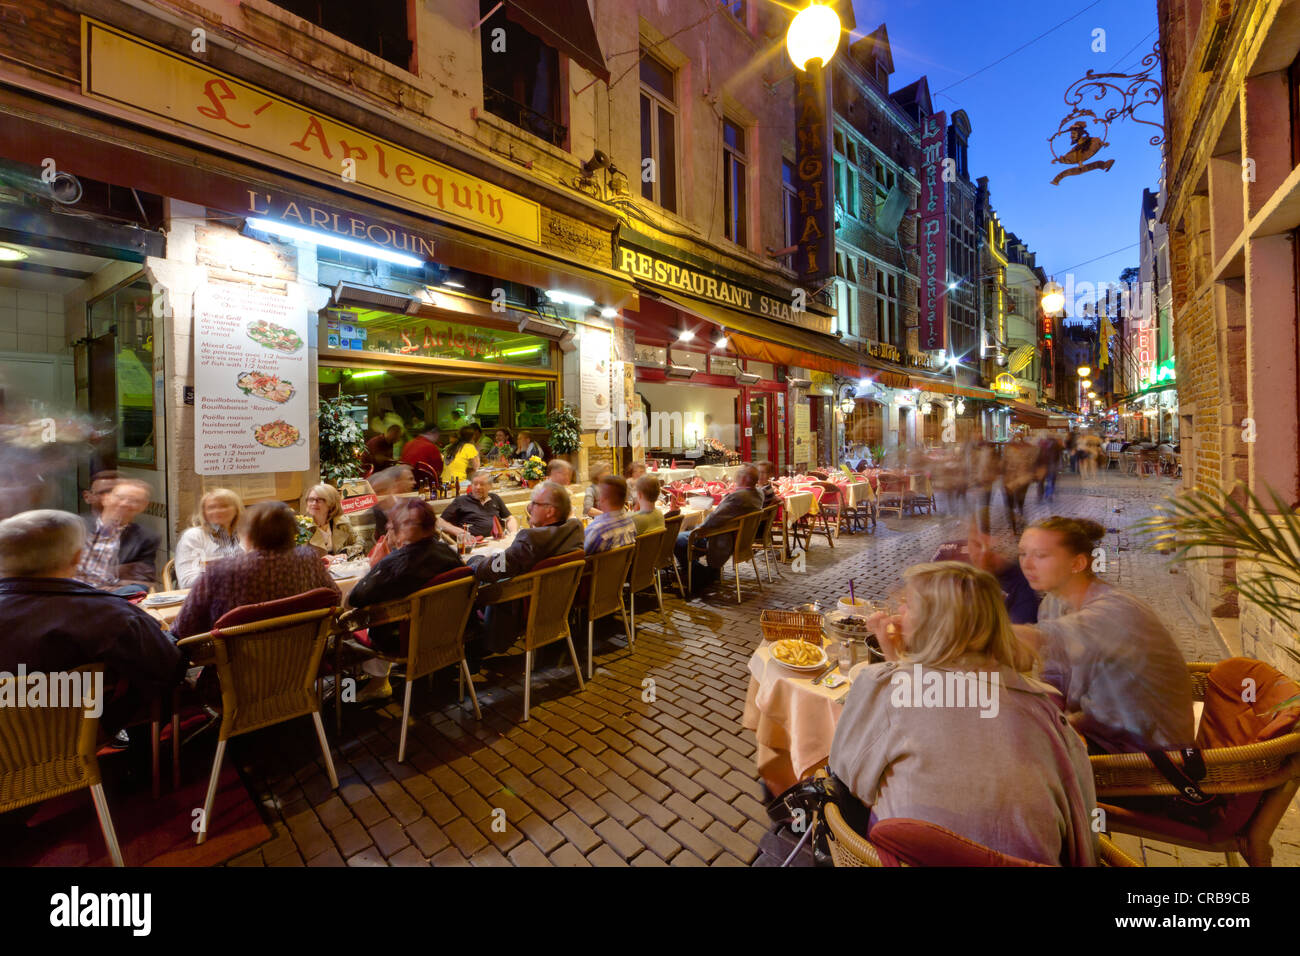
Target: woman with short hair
[(1125, 681), (333, 533), (269, 568), (211, 535), (949, 730)]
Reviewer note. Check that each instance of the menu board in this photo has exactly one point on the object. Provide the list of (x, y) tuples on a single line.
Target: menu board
[(594, 378), (250, 381), (802, 435)]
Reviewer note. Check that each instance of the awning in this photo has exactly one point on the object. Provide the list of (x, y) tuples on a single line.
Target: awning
[(565, 25), (1028, 414), (768, 341), (945, 386)]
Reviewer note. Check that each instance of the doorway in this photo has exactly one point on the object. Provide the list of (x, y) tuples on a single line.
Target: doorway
[(760, 440)]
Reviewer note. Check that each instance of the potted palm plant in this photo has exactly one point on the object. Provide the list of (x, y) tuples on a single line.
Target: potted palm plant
[(1202, 525)]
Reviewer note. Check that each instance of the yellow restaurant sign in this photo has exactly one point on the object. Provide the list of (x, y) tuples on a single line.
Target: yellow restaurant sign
[(140, 76), (1006, 384)]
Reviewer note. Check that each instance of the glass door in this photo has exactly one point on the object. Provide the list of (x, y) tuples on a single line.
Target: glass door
[(760, 442)]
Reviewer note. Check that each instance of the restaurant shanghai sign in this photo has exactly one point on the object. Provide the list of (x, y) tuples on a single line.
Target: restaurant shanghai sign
[(815, 225), (934, 232)]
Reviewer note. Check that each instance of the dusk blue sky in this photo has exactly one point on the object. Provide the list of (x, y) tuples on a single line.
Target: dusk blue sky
[(1016, 105)]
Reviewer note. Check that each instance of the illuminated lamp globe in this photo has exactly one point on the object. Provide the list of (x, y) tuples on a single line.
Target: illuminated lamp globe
[(814, 34), (1084, 371), (1086, 383), (1053, 298)]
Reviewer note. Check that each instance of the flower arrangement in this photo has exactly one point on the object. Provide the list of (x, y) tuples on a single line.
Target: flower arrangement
[(306, 528), (534, 469)]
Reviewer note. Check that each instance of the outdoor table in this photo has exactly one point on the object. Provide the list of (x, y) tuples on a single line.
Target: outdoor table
[(793, 721), (718, 472), (346, 574), (794, 506), (666, 475), (691, 517)]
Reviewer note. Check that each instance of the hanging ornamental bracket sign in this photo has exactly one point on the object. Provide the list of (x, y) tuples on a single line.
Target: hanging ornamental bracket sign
[(1087, 129)]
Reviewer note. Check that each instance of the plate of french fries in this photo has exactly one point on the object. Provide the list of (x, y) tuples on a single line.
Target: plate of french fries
[(799, 655)]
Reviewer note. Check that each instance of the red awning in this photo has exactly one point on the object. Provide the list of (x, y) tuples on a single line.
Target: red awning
[(565, 25)]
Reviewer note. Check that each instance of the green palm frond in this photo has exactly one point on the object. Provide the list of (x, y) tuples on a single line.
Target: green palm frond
[(1268, 536)]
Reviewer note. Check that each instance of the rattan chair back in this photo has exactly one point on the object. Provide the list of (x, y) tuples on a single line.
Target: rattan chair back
[(743, 550), (646, 560), (268, 669), (551, 592), (606, 573), (672, 528)]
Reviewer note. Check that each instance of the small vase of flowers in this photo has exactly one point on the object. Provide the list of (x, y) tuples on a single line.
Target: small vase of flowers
[(534, 470), (306, 528)]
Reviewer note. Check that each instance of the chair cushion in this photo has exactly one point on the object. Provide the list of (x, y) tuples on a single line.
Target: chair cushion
[(249, 613), (455, 574), (557, 560), (1228, 721), (918, 843)]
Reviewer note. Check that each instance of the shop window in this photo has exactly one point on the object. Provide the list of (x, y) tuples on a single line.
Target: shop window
[(379, 26), (655, 356), (530, 401), (521, 84), (388, 334), (696, 360), (764, 370), (120, 360), (723, 365), (658, 133), (733, 182)]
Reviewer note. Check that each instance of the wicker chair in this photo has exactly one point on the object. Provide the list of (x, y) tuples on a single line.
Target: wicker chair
[(763, 541), (268, 670), (549, 590), (1258, 778), (701, 535), (896, 843), (433, 623), (743, 549), (48, 751), (893, 495), (601, 593), (644, 571), (169, 575), (667, 560)]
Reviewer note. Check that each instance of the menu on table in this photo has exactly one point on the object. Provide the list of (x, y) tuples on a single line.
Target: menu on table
[(250, 381)]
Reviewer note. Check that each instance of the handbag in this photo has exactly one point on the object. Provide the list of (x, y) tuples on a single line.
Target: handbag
[(802, 810)]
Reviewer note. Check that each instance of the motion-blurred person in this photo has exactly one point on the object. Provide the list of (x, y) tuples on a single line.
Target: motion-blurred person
[(985, 470), (120, 556), (269, 568), (462, 457), (387, 485), (981, 550), (766, 470), (379, 448), (1090, 453), (55, 623), (101, 483), (210, 536), (1124, 679), (1019, 469), (599, 471), (561, 472), (423, 450), (633, 471), (1049, 466)]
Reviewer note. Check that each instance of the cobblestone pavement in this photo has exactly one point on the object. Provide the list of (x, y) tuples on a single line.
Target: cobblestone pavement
[(604, 777)]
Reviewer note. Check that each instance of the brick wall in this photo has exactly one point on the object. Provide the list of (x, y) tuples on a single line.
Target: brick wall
[(41, 38)]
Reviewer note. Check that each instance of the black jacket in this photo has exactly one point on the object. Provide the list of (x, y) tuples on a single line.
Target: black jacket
[(398, 574), (740, 502), (57, 624), (137, 552), (530, 546)]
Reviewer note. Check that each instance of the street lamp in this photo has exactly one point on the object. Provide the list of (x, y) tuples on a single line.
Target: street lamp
[(1084, 371), (1086, 383), (1053, 300), (814, 34)]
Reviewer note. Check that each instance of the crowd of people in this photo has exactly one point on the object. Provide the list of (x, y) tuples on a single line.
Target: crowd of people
[(454, 461)]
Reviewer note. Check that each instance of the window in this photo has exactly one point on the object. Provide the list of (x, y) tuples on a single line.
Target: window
[(790, 208), (889, 317), (733, 182), (846, 187), (735, 7), (120, 356), (379, 26), (658, 133), (521, 83), (885, 180), (846, 304)]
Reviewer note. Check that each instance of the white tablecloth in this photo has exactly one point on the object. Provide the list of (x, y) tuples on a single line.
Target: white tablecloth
[(665, 475), (718, 472)]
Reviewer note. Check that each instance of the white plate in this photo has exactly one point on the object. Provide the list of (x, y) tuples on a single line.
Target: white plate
[(807, 668), (163, 599)]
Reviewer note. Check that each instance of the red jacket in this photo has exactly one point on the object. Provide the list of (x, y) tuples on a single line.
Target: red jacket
[(420, 449)]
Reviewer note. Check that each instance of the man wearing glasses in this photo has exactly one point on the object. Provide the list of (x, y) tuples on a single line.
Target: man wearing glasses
[(551, 532)]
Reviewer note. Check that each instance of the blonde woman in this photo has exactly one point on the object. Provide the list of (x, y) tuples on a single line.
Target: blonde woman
[(949, 730), (211, 535), (333, 534)]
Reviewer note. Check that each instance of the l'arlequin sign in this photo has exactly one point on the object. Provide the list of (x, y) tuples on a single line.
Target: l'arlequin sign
[(145, 78)]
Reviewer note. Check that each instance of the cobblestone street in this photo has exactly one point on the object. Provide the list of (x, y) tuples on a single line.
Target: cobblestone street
[(604, 777)]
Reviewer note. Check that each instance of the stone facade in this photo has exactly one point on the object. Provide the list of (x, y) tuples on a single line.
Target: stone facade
[(1229, 164)]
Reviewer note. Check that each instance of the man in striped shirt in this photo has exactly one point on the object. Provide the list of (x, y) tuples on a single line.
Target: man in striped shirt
[(613, 527)]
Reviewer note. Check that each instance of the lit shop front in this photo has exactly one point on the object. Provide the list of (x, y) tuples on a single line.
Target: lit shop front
[(421, 372)]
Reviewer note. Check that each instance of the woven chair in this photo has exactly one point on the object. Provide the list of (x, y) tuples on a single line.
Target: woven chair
[(644, 572), (763, 541), (1257, 773), (601, 593), (743, 550), (268, 669), (549, 590), (433, 624), (169, 575), (701, 535), (893, 494), (667, 560), (831, 506), (904, 842), (48, 751)]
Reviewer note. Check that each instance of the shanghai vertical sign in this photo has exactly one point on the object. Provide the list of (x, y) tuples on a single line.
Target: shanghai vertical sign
[(934, 232), (815, 225)]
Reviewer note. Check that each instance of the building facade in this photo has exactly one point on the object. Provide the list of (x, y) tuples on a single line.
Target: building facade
[(1233, 142)]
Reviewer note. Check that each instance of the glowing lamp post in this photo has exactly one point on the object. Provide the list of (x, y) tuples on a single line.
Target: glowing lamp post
[(1053, 300), (814, 34)]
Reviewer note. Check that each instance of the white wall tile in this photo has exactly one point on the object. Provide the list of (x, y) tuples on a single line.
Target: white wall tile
[(57, 344), (31, 343), (33, 322), (31, 300), (8, 298), (8, 341), (8, 319)]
